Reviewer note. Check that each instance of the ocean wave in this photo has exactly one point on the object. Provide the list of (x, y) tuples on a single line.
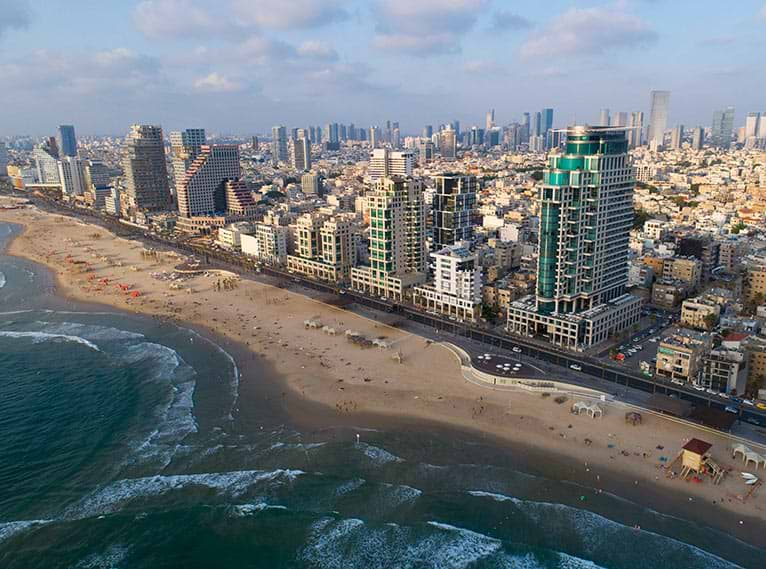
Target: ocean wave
[(235, 369), (3, 280), (40, 337), (243, 510), (377, 455), (600, 536), (109, 559), (351, 542), (9, 529), (115, 496)]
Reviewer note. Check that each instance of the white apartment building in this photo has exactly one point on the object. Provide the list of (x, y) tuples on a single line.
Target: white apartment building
[(72, 176), (267, 244), (456, 289), (325, 247), (201, 192), (230, 237)]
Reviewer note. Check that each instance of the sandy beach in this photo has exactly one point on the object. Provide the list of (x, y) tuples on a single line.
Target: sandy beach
[(321, 368)]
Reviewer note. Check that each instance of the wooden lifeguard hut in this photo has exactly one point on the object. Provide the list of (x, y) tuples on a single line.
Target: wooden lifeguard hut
[(693, 457)]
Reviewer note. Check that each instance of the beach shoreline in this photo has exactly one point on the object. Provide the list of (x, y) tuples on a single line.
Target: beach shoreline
[(320, 381)]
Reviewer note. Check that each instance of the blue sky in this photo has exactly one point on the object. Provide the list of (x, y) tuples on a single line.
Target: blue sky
[(240, 66)]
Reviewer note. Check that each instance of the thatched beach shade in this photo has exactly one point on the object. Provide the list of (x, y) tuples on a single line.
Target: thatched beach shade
[(633, 418)]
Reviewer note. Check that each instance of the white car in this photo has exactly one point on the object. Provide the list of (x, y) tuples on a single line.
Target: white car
[(698, 387), (677, 381), (748, 402), (575, 367), (516, 349)]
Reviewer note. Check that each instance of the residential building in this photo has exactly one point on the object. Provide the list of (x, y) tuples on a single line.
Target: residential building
[(113, 202), (311, 184), (66, 141), (425, 152), (397, 239), (3, 160), (685, 269), (699, 313), (302, 151), (724, 371), (146, 174), (46, 164), (448, 144), (636, 129), (267, 244), (453, 208), (677, 137), (658, 118), (698, 138), (325, 248), (679, 356), (586, 214), (230, 237), (668, 293), (456, 289)]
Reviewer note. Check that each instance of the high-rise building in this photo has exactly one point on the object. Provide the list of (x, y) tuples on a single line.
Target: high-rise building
[(146, 173), (386, 163), (723, 125), (456, 289), (603, 118), (72, 176), (428, 131), (677, 137), (425, 152), (526, 127), (311, 184), (325, 247), (547, 118), (66, 140), (302, 151), (620, 119), (636, 130), (453, 207), (658, 118), (185, 147), (397, 239), (278, 145), (537, 126), (202, 191), (752, 133), (586, 214), (98, 182), (3, 160), (698, 138), (448, 144), (46, 165), (490, 119), (375, 141), (254, 143)]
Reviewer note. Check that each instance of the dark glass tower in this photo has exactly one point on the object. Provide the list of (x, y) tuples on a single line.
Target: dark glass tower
[(453, 208)]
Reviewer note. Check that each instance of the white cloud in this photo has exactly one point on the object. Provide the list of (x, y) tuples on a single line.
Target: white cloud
[(160, 19), (424, 27), (290, 14), (217, 83), (317, 50), (14, 15), (589, 31)]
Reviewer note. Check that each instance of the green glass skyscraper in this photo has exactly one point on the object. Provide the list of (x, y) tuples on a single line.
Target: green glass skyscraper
[(586, 213)]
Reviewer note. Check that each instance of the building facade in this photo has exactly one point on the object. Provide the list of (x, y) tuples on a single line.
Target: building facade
[(146, 173), (453, 208)]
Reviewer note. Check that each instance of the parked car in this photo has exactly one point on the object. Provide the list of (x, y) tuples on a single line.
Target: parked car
[(575, 367), (732, 409), (516, 349), (677, 382)]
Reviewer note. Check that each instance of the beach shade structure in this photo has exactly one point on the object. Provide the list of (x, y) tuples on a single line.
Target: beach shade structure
[(579, 406), (595, 411), (633, 418), (740, 449), (754, 457), (693, 456)]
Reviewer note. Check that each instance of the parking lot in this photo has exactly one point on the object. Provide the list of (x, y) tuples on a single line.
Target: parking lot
[(642, 346)]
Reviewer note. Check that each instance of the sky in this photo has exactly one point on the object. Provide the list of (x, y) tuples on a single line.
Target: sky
[(241, 66)]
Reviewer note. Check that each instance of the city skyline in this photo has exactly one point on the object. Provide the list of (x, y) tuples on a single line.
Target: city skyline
[(251, 65)]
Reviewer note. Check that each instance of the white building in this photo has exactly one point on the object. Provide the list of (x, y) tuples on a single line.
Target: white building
[(385, 162), (3, 160), (456, 289), (112, 202), (268, 244), (201, 191), (72, 176), (230, 237)]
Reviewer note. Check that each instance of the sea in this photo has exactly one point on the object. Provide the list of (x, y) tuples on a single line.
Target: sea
[(125, 442)]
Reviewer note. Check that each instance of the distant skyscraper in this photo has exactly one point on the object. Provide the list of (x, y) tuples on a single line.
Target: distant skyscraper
[(490, 120), (658, 118), (67, 141), (425, 152), (185, 146), (375, 133), (586, 214), (428, 131), (278, 145), (448, 144), (547, 120), (254, 143), (526, 127), (456, 128), (302, 152), (537, 125), (46, 165), (677, 137), (752, 131), (203, 190), (454, 202), (3, 160), (698, 138), (723, 125), (146, 174), (620, 119), (636, 130), (603, 119)]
